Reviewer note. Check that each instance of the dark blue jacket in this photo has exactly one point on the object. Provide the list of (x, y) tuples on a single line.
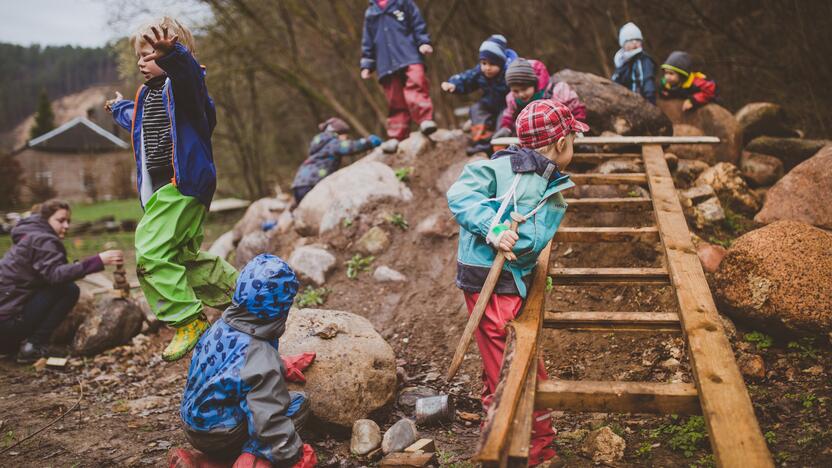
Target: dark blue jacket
[(638, 75), (325, 152), (494, 90), (192, 118), (392, 37)]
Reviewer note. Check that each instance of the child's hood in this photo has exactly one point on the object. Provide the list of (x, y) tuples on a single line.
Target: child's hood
[(265, 291), (525, 160)]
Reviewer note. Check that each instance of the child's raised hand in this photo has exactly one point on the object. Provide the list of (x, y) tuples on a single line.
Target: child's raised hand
[(108, 104), (162, 44), (425, 49), (366, 73), (687, 105), (448, 87)]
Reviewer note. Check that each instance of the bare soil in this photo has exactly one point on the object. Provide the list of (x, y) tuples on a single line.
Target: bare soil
[(129, 413)]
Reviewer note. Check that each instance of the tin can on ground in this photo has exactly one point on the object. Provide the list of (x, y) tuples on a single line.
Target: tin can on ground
[(434, 410)]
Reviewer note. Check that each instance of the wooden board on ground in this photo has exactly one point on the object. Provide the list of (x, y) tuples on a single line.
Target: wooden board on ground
[(619, 276), (624, 140), (648, 234), (617, 397), (583, 205), (611, 321)]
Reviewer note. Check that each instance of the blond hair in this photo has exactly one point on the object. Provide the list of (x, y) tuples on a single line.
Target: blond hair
[(174, 27)]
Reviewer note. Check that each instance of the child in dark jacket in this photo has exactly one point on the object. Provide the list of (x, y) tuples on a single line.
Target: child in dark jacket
[(236, 404), (634, 69), (681, 82), (488, 76), (171, 122), (325, 153), (527, 179), (394, 40)]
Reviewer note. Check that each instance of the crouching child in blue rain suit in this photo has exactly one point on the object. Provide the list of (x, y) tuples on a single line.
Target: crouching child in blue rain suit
[(236, 404)]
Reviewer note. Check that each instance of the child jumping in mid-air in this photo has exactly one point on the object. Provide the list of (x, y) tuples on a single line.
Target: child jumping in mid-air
[(489, 76), (236, 404), (394, 40), (171, 121), (528, 179), (681, 82), (529, 81), (634, 69), (325, 153)]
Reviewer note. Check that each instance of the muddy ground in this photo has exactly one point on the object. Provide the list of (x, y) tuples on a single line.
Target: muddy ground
[(129, 412)]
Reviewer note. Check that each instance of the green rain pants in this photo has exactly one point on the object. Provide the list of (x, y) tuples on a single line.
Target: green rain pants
[(177, 279)]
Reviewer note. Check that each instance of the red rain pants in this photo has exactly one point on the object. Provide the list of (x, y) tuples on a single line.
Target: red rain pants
[(408, 98)]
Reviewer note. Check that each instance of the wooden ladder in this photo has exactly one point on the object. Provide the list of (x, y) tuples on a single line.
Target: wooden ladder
[(719, 393)]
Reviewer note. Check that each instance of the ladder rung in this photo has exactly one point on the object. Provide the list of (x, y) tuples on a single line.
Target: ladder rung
[(609, 321), (609, 276), (595, 158), (609, 179), (610, 204), (607, 234), (617, 397)]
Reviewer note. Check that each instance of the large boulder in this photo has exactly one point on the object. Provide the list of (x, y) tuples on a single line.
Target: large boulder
[(264, 210), (700, 152), (713, 120), (69, 325), (451, 174), (760, 170), (343, 194), (612, 107), (804, 194), (792, 151), (252, 245), (312, 263), (763, 118), (779, 275), (687, 170), (354, 373), (113, 322), (730, 187)]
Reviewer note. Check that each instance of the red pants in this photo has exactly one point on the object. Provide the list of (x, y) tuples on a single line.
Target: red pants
[(491, 339), (408, 97)]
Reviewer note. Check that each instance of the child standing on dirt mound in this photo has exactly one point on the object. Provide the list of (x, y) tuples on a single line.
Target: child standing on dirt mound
[(490, 77), (236, 404), (171, 122), (634, 69), (526, 179), (325, 152), (394, 40), (681, 82)]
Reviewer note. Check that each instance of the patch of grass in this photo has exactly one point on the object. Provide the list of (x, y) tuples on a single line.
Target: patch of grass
[(550, 285), (397, 219), (312, 297), (634, 194), (8, 438), (733, 222), (347, 222), (705, 461), (759, 339), (723, 242), (119, 209), (771, 437), (805, 348), (686, 437), (645, 450), (357, 264), (403, 173), (782, 456)]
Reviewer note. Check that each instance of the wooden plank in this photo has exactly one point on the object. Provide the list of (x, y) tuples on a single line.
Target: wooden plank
[(733, 429), (625, 140), (583, 205), (597, 158), (617, 397), (615, 276), (521, 429), (407, 459), (610, 321), (607, 234), (609, 179), (521, 352)]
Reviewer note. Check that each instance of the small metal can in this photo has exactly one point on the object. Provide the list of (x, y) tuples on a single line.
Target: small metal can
[(434, 410)]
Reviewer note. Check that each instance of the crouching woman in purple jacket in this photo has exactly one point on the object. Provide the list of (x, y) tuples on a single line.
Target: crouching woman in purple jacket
[(37, 288)]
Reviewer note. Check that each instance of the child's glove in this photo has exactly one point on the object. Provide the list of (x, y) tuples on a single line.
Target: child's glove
[(374, 140)]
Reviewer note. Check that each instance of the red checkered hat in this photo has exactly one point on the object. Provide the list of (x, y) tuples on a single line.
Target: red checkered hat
[(544, 121)]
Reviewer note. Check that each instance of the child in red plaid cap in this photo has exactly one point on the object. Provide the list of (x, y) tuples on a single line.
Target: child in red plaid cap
[(526, 179)]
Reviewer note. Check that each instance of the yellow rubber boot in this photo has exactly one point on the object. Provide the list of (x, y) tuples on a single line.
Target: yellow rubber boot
[(185, 339)]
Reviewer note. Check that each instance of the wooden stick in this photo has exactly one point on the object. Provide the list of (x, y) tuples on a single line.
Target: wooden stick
[(625, 140), (479, 307)]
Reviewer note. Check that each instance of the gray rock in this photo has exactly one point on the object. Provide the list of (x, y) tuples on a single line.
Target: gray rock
[(619, 166), (760, 170), (792, 151), (366, 437), (400, 436), (252, 245), (730, 187), (312, 263), (763, 118), (687, 170), (112, 323), (262, 210), (604, 446), (708, 213), (711, 119), (443, 134), (373, 242), (409, 395), (696, 194), (354, 373), (223, 246), (384, 274), (437, 225)]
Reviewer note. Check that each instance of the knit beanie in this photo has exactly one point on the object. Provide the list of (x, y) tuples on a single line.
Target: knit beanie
[(493, 49), (680, 62), (334, 124), (629, 32), (521, 72)]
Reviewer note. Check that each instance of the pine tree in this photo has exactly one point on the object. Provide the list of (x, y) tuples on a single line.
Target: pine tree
[(44, 118)]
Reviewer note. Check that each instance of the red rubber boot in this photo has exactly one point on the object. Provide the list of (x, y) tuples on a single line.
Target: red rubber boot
[(187, 458)]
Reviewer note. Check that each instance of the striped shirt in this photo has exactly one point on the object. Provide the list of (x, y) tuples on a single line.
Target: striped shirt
[(156, 135)]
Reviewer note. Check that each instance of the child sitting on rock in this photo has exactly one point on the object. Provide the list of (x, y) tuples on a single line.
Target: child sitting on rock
[(681, 82), (527, 179), (488, 76), (325, 153), (236, 404), (529, 81), (634, 69)]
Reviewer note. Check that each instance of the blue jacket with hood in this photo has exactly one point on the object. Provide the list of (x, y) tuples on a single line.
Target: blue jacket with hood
[(235, 379), (192, 121), (515, 179), (392, 36)]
